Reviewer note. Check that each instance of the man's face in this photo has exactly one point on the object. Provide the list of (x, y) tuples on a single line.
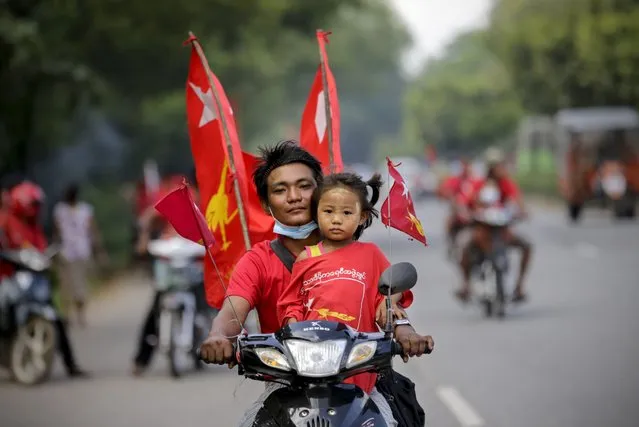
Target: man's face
[(499, 170), (290, 190)]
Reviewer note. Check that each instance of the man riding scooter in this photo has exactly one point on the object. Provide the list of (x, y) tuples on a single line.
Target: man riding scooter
[(481, 240), (21, 228)]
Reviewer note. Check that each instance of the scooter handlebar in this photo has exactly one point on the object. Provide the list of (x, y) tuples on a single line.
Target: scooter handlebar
[(396, 349)]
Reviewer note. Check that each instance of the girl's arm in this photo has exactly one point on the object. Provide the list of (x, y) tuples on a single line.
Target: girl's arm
[(290, 308)]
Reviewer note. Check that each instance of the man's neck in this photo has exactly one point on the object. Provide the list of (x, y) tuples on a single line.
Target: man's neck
[(297, 246)]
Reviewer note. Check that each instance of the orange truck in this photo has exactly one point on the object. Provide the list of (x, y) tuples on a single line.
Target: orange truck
[(597, 153)]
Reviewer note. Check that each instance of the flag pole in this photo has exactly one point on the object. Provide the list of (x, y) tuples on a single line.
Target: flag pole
[(207, 248), (389, 308), (238, 195), (327, 103)]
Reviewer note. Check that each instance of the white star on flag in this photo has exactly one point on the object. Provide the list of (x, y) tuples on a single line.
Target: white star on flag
[(320, 117), (208, 113), (405, 191)]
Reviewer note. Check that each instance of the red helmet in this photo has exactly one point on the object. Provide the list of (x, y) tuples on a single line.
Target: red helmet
[(26, 199)]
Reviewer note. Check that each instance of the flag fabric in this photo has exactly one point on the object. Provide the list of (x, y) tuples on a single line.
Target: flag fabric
[(211, 156), (182, 212), (260, 223), (402, 215), (314, 127)]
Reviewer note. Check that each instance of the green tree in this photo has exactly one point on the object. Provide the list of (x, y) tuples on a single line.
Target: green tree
[(462, 101), (62, 56), (572, 53)]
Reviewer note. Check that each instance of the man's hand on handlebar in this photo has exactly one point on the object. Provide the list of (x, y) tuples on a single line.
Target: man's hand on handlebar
[(217, 349), (413, 343)]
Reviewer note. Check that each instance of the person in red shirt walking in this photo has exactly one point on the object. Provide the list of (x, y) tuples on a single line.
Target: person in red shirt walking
[(496, 180), (337, 279), (21, 228)]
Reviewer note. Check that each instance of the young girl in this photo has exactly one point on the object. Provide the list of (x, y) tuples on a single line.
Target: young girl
[(337, 279)]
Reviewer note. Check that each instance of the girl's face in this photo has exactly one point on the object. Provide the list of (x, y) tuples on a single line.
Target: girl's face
[(339, 213)]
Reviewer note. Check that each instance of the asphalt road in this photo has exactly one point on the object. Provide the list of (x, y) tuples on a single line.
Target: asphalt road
[(566, 358)]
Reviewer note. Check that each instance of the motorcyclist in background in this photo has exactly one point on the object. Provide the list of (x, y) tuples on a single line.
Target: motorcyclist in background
[(22, 228), (153, 226), (457, 190), (496, 179)]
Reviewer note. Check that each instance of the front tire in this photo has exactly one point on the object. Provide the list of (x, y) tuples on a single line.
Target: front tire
[(32, 351), (174, 357)]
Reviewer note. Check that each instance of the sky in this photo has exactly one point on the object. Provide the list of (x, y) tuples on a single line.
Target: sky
[(435, 23)]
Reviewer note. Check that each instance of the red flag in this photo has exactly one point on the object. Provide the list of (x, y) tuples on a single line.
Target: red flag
[(260, 223), (402, 212), (214, 177), (181, 211), (216, 182), (314, 128)]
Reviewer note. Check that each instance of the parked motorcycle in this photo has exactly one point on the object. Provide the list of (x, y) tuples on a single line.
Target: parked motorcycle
[(27, 329), (313, 358), (184, 318)]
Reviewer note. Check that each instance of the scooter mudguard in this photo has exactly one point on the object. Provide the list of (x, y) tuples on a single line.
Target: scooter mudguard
[(338, 405), (24, 311)]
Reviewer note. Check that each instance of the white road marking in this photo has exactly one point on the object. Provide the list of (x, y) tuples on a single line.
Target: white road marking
[(586, 250), (462, 410)]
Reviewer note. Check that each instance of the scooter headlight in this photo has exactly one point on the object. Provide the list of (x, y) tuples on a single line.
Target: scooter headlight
[(24, 279), (321, 359), (273, 358), (361, 353)]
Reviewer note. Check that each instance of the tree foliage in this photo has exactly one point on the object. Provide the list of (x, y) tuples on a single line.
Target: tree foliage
[(535, 57), (60, 58), (572, 53), (461, 101)]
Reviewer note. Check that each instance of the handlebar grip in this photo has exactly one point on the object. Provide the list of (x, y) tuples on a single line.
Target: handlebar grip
[(397, 348), (198, 354)]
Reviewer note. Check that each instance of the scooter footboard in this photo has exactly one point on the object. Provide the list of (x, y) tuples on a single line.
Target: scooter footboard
[(338, 405)]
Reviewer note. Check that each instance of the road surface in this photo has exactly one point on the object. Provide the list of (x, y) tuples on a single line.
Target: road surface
[(566, 358)]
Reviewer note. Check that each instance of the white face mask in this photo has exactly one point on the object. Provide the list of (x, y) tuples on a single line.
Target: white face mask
[(296, 232)]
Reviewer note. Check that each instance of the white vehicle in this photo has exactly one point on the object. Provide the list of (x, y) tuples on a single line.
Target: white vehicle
[(178, 270)]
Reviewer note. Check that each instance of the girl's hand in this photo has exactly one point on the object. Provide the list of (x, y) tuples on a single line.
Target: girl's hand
[(380, 314)]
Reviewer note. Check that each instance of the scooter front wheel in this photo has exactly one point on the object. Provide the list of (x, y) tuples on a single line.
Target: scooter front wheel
[(31, 357)]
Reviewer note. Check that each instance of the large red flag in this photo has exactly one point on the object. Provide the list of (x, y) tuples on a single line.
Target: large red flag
[(314, 128), (216, 182), (402, 212), (260, 223), (181, 211)]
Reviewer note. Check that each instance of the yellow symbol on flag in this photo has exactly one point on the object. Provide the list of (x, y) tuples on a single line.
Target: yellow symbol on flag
[(416, 223), (326, 313), (216, 211)]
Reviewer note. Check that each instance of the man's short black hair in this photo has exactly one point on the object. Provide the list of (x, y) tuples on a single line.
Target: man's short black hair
[(281, 154)]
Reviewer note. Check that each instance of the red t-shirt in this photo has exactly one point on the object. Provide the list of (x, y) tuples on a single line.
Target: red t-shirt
[(461, 188), (19, 234), (260, 277), (339, 286), (507, 187)]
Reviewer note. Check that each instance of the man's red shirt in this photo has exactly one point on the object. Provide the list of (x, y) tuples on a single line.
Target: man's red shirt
[(19, 234)]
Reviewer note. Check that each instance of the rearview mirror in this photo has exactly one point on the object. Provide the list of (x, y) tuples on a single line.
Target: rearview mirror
[(403, 275)]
